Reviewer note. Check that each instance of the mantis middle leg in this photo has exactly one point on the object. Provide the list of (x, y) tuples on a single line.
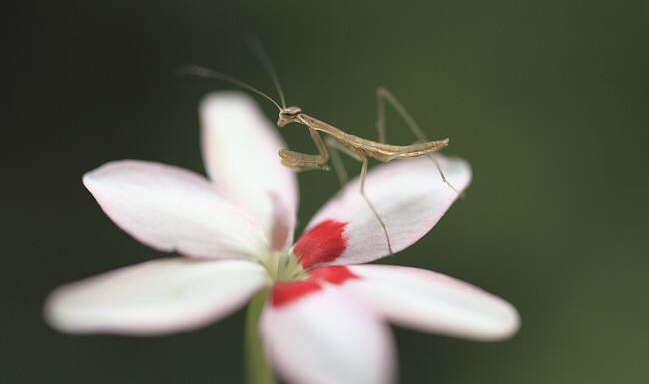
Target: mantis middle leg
[(335, 148)]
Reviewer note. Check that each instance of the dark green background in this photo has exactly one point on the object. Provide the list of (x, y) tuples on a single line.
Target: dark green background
[(548, 101)]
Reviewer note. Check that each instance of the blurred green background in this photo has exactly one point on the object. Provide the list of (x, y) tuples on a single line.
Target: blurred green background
[(547, 100)]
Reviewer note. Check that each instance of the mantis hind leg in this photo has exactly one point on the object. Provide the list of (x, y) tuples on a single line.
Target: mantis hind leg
[(382, 95), (342, 174), (370, 205)]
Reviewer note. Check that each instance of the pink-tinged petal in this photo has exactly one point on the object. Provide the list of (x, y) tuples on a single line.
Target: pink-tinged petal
[(433, 302), (410, 197), (324, 338), (172, 209), (240, 149), (156, 297)]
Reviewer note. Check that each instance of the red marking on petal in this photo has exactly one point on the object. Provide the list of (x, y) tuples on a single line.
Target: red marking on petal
[(284, 293), (321, 244), (333, 275)]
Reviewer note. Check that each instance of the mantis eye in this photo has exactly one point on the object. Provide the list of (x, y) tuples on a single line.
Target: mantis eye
[(291, 111)]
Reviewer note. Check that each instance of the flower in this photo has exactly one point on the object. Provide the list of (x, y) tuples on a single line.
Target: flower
[(326, 317)]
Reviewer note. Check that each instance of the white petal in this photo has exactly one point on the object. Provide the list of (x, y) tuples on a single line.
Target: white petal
[(155, 297), (169, 208), (240, 149), (410, 198), (433, 302), (323, 338)]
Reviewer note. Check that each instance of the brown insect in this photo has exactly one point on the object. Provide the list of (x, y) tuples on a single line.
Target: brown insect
[(356, 147)]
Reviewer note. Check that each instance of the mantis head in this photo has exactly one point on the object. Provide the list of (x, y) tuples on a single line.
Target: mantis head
[(288, 115)]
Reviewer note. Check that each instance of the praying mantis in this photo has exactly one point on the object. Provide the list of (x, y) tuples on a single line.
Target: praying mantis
[(356, 147)]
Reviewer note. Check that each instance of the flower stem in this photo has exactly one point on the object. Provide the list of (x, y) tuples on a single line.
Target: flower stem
[(258, 368)]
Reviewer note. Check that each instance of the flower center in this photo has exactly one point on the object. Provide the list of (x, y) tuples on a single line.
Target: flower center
[(283, 266)]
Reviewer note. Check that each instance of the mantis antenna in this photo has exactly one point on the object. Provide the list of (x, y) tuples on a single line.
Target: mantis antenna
[(262, 55), (198, 71)]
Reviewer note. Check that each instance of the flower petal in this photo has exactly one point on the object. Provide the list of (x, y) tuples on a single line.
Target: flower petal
[(240, 149), (169, 208), (410, 198), (433, 302), (324, 338), (156, 297)]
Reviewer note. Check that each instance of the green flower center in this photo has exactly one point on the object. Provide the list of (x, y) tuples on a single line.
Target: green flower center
[(283, 266)]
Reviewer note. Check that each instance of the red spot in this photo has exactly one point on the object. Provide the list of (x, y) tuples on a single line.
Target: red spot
[(321, 244), (333, 275), (284, 293)]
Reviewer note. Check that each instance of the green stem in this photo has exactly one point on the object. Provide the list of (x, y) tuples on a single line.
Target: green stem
[(258, 368)]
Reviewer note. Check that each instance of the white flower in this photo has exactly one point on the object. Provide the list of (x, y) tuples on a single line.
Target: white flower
[(326, 318)]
